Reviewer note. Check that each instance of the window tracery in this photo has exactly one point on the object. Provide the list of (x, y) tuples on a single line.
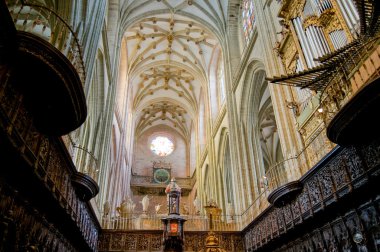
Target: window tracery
[(161, 146)]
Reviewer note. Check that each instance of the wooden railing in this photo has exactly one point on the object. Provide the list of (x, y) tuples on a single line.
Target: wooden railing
[(49, 163)]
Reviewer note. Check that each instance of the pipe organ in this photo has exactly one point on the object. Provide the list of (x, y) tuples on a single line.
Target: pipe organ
[(310, 30), (350, 14)]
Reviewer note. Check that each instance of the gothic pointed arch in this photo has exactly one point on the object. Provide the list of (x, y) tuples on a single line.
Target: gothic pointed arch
[(257, 116), (224, 173)]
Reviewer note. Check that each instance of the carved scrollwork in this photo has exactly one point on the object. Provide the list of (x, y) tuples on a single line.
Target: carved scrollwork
[(288, 214), (280, 219), (296, 8), (304, 202), (329, 20), (333, 25), (372, 155), (326, 183), (338, 173), (289, 55), (312, 20), (314, 192), (354, 163)]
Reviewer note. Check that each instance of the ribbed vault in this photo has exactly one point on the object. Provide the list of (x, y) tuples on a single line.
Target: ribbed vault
[(169, 46)]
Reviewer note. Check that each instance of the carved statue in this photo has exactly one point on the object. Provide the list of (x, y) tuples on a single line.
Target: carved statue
[(293, 106), (145, 203), (174, 206), (106, 208), (185, 209), (197, 205), (157, 208), (126, 207), (264, 183)]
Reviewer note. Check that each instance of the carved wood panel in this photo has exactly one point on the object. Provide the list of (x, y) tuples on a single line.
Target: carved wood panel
[(46, 165), (339, 177), (152, 241)]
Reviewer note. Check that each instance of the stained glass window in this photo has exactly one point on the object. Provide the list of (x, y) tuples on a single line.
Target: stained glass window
[(248, 17), (161, 146)]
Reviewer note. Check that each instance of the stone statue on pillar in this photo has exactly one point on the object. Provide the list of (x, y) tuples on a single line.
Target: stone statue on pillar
[(145, 203), (157, 208), (126, 207)]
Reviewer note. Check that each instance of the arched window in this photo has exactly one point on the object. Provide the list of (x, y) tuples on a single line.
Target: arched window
[(248, 18)]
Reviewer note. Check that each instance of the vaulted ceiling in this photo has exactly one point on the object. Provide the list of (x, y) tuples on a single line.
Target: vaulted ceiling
[(170, 45)]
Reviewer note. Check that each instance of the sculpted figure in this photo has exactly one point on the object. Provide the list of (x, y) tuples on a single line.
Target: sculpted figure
[(157, 208), (106, 208), (145, 203), (126, 207)]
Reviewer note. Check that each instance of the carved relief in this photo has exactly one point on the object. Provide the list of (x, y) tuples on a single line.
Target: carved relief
[(304, 201), (312, 20), (295, 209), (353, 163), (50, 168), (26, 228), (142, 242), (296, 8), (314, 192), (329, 238), (274, 224), (268, 228), (338, 173), (330, 21), (288, 214), (44, 151), (23, 121), (8, 101), (156, 243), (280, 219), (32, 139), (288, 54), (372, 155), (331, 179), (342, 236), (326, 183), (368, 217)]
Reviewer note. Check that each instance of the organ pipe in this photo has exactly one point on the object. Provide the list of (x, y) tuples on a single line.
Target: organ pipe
[(350, 14), (338, 38), (304, 42)]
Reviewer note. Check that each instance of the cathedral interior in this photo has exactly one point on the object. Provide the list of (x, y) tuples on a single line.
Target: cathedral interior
[(190, 125)]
